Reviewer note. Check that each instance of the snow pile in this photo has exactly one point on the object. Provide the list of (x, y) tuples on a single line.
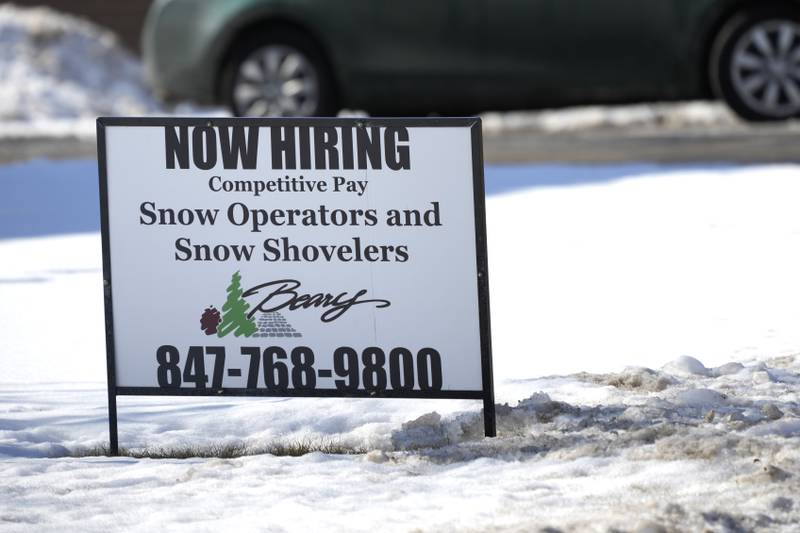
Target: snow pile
[(705, 453), (721, 409), (60, 68)]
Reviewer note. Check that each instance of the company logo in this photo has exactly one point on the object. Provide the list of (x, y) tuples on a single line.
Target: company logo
[(238, 318)]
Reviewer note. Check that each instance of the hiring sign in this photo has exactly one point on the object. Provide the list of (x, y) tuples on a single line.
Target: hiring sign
[(295, 257)]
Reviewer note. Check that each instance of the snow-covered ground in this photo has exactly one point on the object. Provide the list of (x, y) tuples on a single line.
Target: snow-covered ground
[(609, 286)]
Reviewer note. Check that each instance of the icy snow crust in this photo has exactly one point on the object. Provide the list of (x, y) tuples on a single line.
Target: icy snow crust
[(586, 442)]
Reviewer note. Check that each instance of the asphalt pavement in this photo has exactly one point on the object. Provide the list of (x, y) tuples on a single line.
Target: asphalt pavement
[(741, 144), (752, 144)]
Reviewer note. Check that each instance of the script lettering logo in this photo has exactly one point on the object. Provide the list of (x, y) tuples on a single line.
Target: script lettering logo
[(283, 293)]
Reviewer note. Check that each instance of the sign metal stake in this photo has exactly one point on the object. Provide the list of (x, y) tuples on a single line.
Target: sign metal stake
[(113, 436)]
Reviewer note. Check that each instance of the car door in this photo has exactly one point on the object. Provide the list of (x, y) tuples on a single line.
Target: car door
[(567, 51), (420, 52)]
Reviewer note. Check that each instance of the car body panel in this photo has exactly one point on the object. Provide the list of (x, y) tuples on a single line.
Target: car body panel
[(454, 55)]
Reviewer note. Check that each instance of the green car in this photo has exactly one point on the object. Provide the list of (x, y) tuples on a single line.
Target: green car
[(315, 57)]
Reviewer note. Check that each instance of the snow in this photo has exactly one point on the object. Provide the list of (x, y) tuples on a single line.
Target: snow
[(641, 265), (783, 428), (646, 366), (663, 115), (61, 72), (685, 365), (701, 398), (45, 198)]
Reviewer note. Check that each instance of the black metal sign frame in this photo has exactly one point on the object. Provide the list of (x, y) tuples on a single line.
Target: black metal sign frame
[(482, 281)]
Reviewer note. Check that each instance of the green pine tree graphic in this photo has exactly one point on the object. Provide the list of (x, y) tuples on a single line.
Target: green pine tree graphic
[(234, 312)]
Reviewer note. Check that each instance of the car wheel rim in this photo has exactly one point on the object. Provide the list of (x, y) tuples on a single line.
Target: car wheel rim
[(276, 80), (765, 68)]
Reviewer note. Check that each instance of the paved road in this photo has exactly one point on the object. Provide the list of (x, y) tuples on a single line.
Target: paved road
[(15, 150), (762, 144)]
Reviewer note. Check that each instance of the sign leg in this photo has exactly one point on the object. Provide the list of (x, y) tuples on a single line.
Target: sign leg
[(113, 448), (489, 420)]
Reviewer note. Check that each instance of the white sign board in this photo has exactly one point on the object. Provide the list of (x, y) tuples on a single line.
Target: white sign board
[(283, 257)]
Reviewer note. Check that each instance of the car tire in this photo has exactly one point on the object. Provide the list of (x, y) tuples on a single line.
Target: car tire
[(755, 63), (282, 73)]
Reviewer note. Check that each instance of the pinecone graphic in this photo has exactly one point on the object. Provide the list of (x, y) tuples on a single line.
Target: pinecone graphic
[(210, 320)]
